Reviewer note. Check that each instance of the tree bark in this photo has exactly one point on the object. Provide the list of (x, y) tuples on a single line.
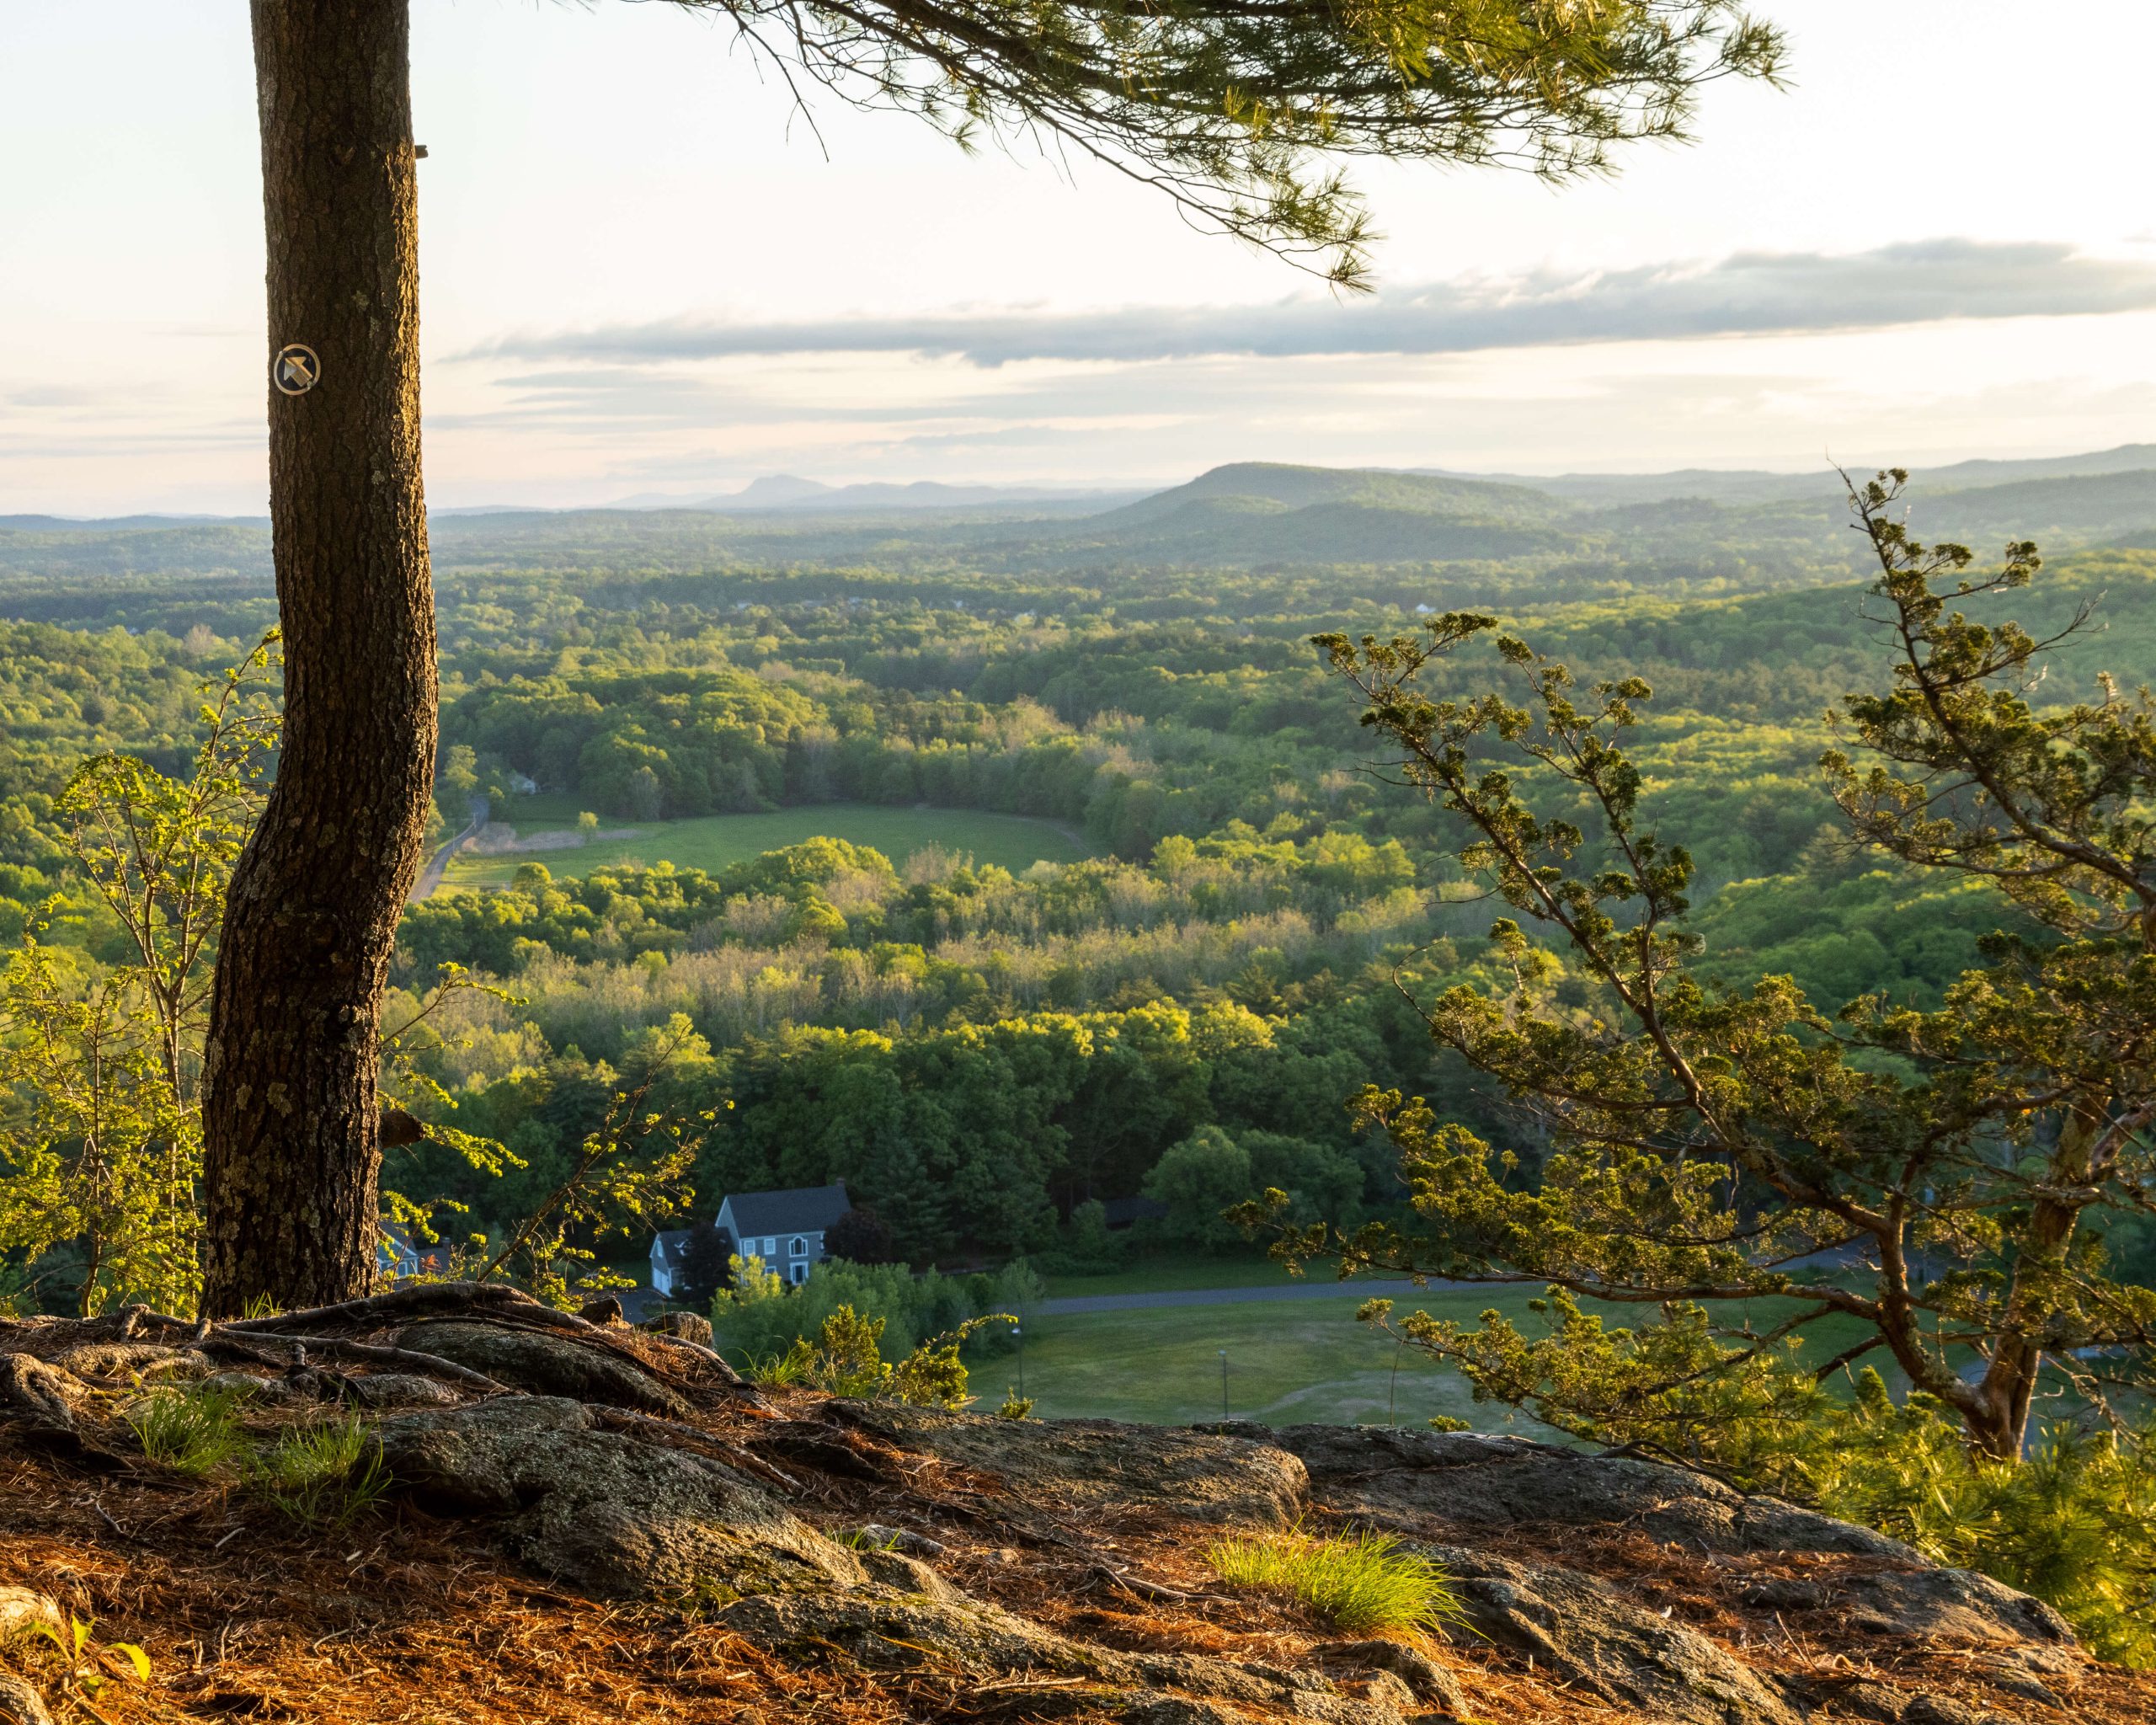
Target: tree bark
[(290, 1101)]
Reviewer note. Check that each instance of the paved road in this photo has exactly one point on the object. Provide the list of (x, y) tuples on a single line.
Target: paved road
[(430, 876), (1361, 1288)]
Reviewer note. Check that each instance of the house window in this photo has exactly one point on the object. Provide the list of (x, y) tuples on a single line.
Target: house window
[(798, 1274), (770, 1246), (796, 1247)]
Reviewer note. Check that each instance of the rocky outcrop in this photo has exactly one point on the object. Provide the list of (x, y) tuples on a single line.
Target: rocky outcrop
[(882, 1629), (606, 1512), (1945, 1606), (955, 1565), (1105, 1467), (1424, 1680), (1577, 1629), (611, 1513), (1468, 1479)]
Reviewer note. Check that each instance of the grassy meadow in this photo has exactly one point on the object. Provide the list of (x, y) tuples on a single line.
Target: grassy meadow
[(1013, 841), (1288, 1361)]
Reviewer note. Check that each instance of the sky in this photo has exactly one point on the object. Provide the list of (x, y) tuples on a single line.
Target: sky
[(645, 273)]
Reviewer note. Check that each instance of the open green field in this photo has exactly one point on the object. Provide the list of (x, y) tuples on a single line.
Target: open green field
[(1013, 841), (1288, 1361)]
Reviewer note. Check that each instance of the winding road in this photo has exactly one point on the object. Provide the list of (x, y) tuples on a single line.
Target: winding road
[(430, 876)]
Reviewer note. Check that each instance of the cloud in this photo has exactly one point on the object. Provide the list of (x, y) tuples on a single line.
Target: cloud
[(1747, 293)]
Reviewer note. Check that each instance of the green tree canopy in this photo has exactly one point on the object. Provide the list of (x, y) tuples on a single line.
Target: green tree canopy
[(1939, 1182)]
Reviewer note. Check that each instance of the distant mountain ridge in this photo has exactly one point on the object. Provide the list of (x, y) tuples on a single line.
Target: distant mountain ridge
[(1269, 511), (1690, 525), (1758, 485), (1457, 496)]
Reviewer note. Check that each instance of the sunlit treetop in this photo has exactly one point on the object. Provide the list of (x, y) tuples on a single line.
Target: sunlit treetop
[(1243, 111)]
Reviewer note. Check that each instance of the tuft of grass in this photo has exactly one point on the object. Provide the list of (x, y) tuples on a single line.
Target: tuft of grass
[(324, 1476), (1356, 1581), (779, 1371), (191, 1431)]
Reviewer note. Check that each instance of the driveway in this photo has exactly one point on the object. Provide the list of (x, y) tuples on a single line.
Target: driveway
[(430, 876)]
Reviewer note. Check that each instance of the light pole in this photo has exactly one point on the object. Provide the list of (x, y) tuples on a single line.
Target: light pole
[(1018, 1330), (1224, 1383)]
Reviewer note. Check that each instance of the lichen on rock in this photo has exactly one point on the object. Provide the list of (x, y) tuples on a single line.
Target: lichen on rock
[(610, 1513)]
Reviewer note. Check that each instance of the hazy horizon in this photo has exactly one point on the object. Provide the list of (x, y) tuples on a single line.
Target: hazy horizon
[(1080, 488)]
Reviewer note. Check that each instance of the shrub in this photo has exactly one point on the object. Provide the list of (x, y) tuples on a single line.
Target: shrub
[(1358, 1582), (1086, 1247), (759, 1315), (191, 1431), (846, 1358)]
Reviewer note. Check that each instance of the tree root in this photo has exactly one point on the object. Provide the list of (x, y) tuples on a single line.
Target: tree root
[(416, 1300)]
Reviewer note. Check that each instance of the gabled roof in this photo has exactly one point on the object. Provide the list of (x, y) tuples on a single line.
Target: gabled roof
[(672, 1245), (804, 1211)]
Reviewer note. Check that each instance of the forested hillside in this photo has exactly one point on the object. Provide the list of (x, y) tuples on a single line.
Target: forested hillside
[(978, 1053)]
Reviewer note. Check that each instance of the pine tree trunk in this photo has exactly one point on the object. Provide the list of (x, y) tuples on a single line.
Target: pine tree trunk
[(290, 1103)]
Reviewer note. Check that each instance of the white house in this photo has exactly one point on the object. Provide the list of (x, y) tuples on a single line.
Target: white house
[(785, 1229)]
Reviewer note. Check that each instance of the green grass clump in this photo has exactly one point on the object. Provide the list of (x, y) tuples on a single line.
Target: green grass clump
[(1356, 1581), (191, 1431), (326, 1474)]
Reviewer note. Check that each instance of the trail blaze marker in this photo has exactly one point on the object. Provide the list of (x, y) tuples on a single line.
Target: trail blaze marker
[(296, 369)]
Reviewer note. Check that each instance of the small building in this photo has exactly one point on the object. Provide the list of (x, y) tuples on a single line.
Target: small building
[(785, 1229), (399, 1256), (669, 1252)]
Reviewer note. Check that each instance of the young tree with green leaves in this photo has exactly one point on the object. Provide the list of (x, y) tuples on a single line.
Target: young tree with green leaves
[(1935, 1185), (101, 1135), (1241, 113)]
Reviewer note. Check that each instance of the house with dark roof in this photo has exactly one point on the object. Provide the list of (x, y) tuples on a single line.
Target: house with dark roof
[(785, 1229), (670, 1253)]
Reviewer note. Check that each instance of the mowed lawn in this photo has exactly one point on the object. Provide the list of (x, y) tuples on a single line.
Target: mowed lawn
[(1288, 1360), (1013, 841)]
